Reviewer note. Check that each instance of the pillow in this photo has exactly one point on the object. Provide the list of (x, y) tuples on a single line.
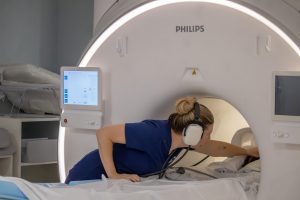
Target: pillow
[(253, 166), (4, 138), (244, 137), (9, 190), (229, 165)]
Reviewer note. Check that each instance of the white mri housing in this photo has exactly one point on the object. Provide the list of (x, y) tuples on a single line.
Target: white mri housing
[(146, 66)]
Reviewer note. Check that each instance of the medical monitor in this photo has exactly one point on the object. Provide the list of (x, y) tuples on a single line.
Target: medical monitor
[(81, 88), (286, 95)]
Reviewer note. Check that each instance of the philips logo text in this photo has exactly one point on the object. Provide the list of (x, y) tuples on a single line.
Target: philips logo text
[(190, 29)]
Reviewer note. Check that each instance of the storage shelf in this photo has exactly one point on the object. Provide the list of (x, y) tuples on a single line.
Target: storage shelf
[(31, 127), (6, 156), (30, 117), (42, 163)]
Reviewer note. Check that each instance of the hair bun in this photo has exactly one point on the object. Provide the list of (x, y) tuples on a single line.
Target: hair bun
[(185, 105)]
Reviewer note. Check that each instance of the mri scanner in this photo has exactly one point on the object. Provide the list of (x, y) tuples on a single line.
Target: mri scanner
[(227, 53)]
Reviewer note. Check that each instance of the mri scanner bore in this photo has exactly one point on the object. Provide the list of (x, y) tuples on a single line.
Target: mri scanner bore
[(134, 150)]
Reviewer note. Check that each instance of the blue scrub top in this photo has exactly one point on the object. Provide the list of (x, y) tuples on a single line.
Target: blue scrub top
[(146, 150)]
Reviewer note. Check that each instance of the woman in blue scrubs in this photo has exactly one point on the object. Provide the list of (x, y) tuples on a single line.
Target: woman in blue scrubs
[(130, 150)]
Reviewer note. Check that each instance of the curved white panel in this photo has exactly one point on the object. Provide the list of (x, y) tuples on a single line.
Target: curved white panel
[(148, 6)]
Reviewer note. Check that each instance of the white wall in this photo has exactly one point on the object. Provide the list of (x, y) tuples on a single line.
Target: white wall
[(28, 32), (47, 33), (74, 30)]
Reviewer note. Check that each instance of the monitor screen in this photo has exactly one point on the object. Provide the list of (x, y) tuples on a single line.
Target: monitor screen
[(287, 95), (81, 88)]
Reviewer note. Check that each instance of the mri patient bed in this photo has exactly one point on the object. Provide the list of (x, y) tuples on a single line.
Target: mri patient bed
[(221, 189), (222, 180)]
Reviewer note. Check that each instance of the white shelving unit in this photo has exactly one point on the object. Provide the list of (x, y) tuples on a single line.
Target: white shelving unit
[(27, 126), (39, 163)]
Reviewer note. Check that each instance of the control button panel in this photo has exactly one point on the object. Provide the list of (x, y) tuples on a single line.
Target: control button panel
[(286, 133), (81, 119)]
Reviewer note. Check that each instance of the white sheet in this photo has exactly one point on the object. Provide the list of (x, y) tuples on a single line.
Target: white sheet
[(248, 180), (220, 189)]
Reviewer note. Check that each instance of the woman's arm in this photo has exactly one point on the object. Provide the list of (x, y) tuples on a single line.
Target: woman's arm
[(106, 137), (223, 149)]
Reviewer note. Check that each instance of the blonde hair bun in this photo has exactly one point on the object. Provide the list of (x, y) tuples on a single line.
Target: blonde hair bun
[(185, 105)]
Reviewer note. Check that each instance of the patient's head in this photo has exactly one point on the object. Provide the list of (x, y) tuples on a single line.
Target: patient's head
[(185, 114)]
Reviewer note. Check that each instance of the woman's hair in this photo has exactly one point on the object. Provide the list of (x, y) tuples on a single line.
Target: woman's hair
[(185, 114)]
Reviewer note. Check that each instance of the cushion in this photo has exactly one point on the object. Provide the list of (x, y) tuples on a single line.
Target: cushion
[(253, 166), (9, 190)]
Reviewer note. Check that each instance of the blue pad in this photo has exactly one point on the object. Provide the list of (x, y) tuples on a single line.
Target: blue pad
[(83, 182), (9, 190)]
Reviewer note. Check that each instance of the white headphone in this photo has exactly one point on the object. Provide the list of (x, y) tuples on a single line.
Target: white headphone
[(193, 131)]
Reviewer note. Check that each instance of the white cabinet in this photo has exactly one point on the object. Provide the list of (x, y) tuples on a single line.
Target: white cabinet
[(32, 128)]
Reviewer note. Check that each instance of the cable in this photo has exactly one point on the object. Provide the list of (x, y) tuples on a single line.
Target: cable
[(167, 164), (200, 172), (168, 160), (181, 170), (200, 161), (171, 165)]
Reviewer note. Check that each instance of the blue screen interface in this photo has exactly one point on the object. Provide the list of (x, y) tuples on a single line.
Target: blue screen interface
[(80, 88)]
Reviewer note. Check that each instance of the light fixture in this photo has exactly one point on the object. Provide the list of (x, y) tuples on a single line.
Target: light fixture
[(61, 154)]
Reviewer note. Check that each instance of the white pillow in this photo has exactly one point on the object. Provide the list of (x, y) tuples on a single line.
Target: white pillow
[(253, 166), (229, 165)]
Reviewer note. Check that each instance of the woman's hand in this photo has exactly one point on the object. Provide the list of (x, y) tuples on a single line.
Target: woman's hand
[(253, 152), (130, 177)]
